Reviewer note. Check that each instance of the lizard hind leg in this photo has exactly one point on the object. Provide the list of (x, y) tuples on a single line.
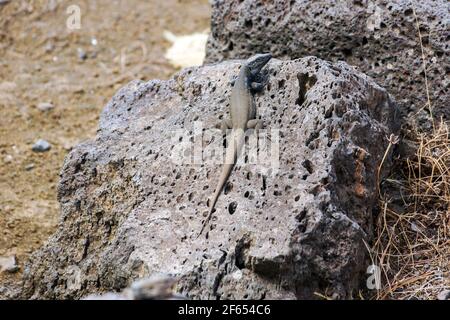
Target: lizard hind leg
[(255, 124)]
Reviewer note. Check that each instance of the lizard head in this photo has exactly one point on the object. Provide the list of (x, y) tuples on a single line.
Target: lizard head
[(258, 61)]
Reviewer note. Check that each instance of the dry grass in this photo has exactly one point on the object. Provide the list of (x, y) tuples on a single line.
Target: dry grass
[(413, 247)]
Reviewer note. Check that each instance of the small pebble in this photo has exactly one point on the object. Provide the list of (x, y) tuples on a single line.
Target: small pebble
[(82, 55), (8, 158), (444, 295), (41, 146), (45, 106), (8, 264), (29, 167), (49, 47), (7, 85)]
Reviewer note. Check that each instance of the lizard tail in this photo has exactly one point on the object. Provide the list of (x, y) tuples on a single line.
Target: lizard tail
[(223, 177), (226, 170)]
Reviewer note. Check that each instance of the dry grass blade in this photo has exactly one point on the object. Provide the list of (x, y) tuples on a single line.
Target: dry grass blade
[(412, 247), (424, 62)]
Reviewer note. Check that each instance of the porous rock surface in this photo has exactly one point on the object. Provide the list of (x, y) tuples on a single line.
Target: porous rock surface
[(130, 211), (379, 37)]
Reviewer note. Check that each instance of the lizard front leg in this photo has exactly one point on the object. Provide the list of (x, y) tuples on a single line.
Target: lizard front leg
[(233, 80), (257, 125), (260, 81)]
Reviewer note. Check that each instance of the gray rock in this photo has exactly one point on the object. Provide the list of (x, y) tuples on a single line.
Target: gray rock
[(130, 209), (8, 264), (41, 146), (107, 296), (379, 37)]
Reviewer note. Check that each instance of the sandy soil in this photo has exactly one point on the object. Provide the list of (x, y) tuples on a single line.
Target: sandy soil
[(77, 71)]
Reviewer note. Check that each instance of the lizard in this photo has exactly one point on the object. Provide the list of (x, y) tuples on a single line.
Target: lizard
[(251, 79)]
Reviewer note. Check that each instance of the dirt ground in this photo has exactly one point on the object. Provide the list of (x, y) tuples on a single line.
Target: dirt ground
[(77, 71)]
